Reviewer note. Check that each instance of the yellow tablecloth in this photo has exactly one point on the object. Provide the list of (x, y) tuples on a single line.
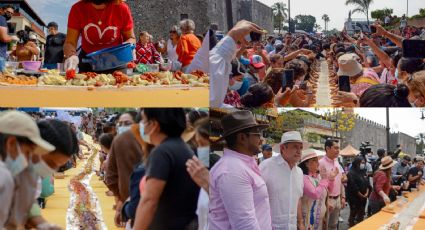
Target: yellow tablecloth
[(381, 218), (57, 204), (24, 96), (420, 225)]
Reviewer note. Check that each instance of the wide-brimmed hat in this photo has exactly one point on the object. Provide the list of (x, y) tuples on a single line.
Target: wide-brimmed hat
[(311, 153), (348, 66), (21, 124), (291, 136), (386, 163), (238, 121)]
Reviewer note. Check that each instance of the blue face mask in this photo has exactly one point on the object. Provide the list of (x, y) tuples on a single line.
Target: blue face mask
[(146, 138), (17, 165), (42, 169), (236, 85), (123, 129)]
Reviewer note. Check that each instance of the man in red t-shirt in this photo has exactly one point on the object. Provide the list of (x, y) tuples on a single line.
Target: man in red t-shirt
[(101, 24)]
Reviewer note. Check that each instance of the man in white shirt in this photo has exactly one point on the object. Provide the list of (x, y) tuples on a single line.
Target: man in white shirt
[(220, 60), (284, 180)]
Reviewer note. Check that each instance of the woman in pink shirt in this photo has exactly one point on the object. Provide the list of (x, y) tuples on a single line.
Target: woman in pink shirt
[(314, 200)]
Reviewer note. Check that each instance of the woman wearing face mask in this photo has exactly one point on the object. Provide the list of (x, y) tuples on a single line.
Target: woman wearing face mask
[(19, 139), (416, 84), (124, 122), (60, 135), (235, 83), (166, 176), (357, 190), (101, 24)]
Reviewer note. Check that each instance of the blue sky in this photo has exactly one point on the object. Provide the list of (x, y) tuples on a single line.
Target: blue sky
[(338, 11), (53, 10)]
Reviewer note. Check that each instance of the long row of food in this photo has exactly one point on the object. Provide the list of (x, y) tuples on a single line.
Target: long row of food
[(118, 79)]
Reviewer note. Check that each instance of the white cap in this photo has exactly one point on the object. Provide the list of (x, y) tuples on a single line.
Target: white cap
[(33, 37), (21, 124)]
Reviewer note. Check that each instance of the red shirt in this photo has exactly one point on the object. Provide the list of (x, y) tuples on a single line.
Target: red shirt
[(115, 18), (147, 54), (380, 183)]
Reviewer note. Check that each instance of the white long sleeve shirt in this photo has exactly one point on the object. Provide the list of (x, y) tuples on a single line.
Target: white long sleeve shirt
[(220, 67)]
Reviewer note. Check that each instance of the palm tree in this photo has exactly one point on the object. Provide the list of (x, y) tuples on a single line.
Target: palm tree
[(326, 18), (280, 14), (362, 6)]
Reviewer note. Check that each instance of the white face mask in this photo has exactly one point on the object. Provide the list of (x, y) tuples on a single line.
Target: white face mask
[(362, 166), (236, 85), (42, 169), (204, 155), (123, 129), (144, 136), (19, 164)]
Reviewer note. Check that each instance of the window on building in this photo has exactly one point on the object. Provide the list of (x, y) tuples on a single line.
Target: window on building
[(11, 27), (184, 16)]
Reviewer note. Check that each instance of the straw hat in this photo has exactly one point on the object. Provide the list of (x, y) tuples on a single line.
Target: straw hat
[(308, 154), (288, 137), (386, 163), (348, 66)]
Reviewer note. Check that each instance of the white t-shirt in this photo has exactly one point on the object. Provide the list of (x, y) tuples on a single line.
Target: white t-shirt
[(7, 187), (285, 187), (171, 51)]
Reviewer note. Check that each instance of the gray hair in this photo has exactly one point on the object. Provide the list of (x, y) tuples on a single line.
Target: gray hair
[(187, 26)]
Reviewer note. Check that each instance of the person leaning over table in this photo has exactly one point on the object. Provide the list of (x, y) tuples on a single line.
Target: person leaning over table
[(101, 24), (414, 176), (238, 193), (6, 13), (188, 44), (19, 139), (382, 186)]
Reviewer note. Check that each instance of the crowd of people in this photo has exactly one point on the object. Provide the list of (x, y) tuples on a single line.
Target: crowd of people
[(176, 52), (294, 187), (251, 74), (153, 161)]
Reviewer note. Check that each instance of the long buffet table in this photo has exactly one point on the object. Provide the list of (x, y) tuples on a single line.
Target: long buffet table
[(29, 96), (411, 215)]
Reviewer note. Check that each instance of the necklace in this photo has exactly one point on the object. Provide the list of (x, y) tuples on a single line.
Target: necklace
[(99, 22)]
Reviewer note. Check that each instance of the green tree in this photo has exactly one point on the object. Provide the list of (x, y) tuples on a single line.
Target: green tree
[(326, 19), (305, 22), (420, 144), (280, 13), (362, 6), (381, 14)]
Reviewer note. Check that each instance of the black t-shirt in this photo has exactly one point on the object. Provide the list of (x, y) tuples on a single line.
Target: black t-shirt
[(3, 45), (414, 172), (178, 202), (54, 48)]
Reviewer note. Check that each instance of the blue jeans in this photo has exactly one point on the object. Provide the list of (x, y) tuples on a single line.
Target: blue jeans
[(50, 66), (2, 64)]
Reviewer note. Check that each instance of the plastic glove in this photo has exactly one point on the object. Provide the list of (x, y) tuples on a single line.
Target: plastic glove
[(14, 38), (71, 62), (385, 197)]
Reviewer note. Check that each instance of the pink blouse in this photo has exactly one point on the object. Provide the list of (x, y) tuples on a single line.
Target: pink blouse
[(315, 192)]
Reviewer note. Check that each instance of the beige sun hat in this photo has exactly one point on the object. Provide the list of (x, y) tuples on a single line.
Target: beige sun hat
[(348, 65), (20, 124)]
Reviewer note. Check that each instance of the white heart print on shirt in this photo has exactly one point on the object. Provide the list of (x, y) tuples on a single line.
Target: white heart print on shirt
[(100, 33)]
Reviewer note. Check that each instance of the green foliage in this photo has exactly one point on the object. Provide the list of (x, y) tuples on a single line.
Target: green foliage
[(280, 15), (305, 22), (362, 6), (381, 14)]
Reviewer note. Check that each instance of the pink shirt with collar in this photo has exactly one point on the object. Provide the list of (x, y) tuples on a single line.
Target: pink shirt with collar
[(330, 165), (238, 194), (315, 192)]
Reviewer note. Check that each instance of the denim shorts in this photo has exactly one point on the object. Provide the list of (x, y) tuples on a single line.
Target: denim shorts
[(2, 64)]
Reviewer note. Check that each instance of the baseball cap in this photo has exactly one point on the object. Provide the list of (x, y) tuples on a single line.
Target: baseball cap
[(17, 123), (257, 61), (52, 24), (266, 147)]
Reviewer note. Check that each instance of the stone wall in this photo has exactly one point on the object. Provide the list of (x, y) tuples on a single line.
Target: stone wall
[(157, 17), (365, 130), (408, 143), (251, 10)]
